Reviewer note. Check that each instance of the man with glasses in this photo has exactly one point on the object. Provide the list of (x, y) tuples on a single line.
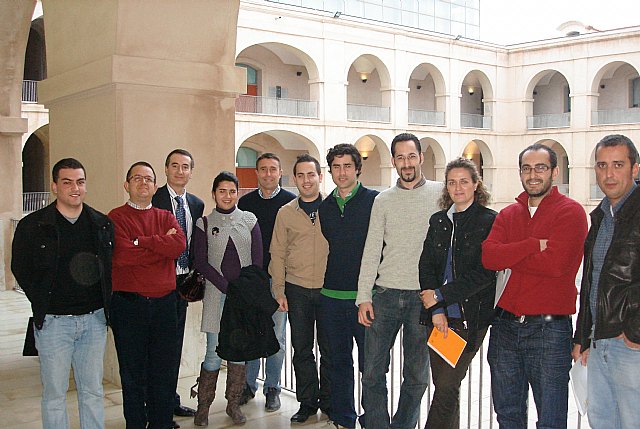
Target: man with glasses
[(148, 240), (540, 238), (389, 288)]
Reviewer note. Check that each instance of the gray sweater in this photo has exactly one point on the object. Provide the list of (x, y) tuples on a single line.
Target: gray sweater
[(397, 230)]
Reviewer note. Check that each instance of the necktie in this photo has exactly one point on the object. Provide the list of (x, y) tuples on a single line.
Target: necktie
[(181, 215)]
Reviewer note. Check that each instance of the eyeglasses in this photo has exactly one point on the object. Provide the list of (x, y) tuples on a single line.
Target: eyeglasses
[(538, 168), (139, 179)]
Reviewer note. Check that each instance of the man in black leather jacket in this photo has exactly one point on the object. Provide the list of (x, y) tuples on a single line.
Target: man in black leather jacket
[(608, 329)]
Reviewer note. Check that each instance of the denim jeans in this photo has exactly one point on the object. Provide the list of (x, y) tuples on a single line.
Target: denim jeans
[(613, 385), (536, 354), (78, 342), (304, 314), (273, 365), (212, 361), (393, 309), (144, 330), (340, 319), (444, 412)]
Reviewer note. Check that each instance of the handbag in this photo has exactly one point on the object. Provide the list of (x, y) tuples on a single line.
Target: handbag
[(193, 286)]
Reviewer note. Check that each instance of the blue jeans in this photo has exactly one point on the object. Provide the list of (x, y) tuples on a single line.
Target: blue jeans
[(212, 361), (394, 308), (340, 320), (78, 342), (144, 330), (273, 365), (536, 354), (613, 385)]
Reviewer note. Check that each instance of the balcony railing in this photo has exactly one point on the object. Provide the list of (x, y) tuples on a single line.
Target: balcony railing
[(276, 106), (549, 120), (32, 201), (366, 113), (30, 91), (616, 116), (471, 120), (426, 117)]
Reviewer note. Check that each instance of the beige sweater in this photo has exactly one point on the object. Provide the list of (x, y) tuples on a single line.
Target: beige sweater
[(298, 250)]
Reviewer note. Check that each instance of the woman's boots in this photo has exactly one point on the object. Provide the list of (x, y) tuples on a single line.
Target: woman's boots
[(206, 393), (235, 386)]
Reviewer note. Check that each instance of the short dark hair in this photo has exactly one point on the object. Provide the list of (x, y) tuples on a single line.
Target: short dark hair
[(405, 137), (306, 158), (481, 194), (268, 155), (553, 157), (224, 176), (345, 149), (180, 152), (619, 140), (136, 164), (66, 163)]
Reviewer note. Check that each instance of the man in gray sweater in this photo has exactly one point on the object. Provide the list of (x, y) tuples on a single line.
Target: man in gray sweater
[(389, 290)]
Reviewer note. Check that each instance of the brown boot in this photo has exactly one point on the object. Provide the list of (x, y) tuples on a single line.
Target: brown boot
[(206, 393), (235, 386)]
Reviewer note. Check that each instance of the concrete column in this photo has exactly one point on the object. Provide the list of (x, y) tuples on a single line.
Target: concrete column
[(131, 81), (14, 33)]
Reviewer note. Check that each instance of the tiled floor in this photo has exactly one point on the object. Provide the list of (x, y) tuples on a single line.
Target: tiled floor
[(20, 387)]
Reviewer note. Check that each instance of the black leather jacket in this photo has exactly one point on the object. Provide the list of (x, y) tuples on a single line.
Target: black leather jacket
[(618, 298), (34, 256), (473, 287)]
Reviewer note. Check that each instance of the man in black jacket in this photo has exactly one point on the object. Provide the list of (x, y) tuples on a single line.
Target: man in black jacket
[(608, 328), (178, 167), (61, 258)]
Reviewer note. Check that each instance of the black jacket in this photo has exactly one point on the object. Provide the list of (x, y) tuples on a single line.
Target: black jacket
[(618, 297), (34, 256), (246, 327), (473, 287), (162, 200)]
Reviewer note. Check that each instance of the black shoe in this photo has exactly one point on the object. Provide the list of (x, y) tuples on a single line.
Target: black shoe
[(174, 425), (184, 411), (247, 395), (303, 414), (273, 400)]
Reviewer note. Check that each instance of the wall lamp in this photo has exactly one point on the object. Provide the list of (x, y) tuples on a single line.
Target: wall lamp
[(337, 14), (364, 77), (471, 90)]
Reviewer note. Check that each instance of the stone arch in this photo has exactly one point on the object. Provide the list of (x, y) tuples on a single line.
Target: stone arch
[(562, 181), (475, 90), (427, 91), (613, 85), (35, 161), (287, 145), (478, 151), (376, 161), (434, 159), (35, 59), (550, 91), (368, 95)]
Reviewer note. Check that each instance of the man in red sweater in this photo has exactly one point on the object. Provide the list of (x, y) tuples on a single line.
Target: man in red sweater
[(540, 238), (143, 311)]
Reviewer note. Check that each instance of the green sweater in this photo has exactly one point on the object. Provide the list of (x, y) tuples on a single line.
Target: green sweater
[(397, 230)]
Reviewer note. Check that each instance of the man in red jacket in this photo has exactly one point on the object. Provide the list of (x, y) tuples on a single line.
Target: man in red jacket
[(143, 310), (540, 238)]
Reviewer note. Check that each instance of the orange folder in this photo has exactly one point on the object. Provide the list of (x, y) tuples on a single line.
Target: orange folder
[(450, 349)]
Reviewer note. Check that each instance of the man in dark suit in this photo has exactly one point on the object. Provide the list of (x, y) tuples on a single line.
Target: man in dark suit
[(178, 168)]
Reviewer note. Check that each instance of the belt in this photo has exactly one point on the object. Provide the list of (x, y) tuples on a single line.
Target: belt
[(505, 315)]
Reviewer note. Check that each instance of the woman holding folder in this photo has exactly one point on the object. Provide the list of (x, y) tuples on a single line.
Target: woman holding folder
[(457, 292)]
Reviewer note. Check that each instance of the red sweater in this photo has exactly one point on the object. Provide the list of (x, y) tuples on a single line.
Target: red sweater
[(148, 268), (540, 282)]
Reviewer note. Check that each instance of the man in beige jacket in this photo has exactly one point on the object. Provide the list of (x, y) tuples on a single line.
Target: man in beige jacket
[(298, 261)]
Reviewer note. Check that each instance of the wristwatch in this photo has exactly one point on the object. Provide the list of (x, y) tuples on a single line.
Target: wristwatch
[(135, 241), (435, 297)]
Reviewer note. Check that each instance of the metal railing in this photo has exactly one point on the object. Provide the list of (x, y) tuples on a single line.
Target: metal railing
[(426, 117), (277, 106), (29, 91), (616, 116), (32, 201), (471, 120), (367, 113), (549, 120)]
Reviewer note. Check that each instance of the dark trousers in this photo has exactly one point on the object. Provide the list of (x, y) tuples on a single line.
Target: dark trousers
[(304, 313), (444, 412), (340, 320), (181, 307), (144, 330)]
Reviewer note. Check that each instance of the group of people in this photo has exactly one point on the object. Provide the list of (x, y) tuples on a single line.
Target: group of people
[(351, 265)]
